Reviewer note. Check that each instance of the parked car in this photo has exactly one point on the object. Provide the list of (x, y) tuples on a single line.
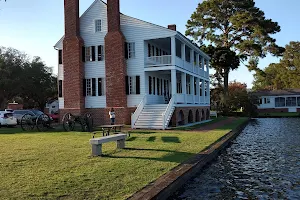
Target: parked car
[(55, 116), (7, 119), (20, 113)]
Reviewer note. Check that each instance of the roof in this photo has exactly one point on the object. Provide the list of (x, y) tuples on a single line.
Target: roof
[(180, 34), (285, 92)]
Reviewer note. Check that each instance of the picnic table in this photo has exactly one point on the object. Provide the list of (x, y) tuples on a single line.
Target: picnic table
[(106, 129)]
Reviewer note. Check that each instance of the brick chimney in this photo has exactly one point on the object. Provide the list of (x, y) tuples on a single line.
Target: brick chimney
[(172, 27), (115, 64), (72, 61)]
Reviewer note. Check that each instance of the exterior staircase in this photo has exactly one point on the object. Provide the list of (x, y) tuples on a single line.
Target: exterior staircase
[(151, 117)]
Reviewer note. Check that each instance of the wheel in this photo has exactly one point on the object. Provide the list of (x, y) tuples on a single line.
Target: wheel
[(68, 122), (43, 122), (89, 122), (28, 122)]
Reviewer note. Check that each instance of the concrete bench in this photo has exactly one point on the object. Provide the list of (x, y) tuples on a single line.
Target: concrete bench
[(213, 114), (97, 143)]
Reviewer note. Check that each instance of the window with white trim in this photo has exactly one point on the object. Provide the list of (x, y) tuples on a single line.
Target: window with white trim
[(132, 85), (88, 87), (130, 50), (98, 25), (88, 53)]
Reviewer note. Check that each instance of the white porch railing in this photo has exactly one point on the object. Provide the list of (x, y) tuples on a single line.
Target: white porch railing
[(159, 60), (190, 98), (138, 111), (167, 114)]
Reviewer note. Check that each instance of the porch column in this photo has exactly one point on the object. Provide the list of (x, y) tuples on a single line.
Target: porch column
[(173, 82), (197, 89), (192, 82), (173, 50), (183, 82), (203, 90)]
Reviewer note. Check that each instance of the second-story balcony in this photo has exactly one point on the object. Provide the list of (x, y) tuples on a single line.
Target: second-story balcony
[(159, 60), (175, 51)]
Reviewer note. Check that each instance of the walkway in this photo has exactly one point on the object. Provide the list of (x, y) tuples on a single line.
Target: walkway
[(216, 125)]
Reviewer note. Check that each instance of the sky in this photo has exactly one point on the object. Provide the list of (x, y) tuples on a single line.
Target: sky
[(34, 26)]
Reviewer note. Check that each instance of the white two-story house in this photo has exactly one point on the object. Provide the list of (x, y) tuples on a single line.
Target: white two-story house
[(166, 80)]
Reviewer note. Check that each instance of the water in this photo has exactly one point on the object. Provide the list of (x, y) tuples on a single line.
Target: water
[(262, 163)]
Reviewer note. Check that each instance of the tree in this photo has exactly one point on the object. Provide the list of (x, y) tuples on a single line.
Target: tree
[(234, 26), (12, 63), (21, 78), (238, 98), (282, 75)]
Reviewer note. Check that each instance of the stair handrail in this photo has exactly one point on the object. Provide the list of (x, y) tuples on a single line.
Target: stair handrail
[(138, 111), (168, 111)]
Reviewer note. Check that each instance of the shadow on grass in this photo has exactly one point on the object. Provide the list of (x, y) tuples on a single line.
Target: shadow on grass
[(151, 139), (170, 139), (172, 156), (131, 139)]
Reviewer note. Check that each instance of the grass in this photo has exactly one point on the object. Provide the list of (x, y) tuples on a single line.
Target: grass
[(278, 114), (54, 165)]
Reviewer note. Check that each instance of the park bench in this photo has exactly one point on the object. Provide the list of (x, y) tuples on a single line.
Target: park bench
[(97, 142), (213, 114)]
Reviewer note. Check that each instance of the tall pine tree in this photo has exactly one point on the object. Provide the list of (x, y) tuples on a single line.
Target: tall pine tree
[(236, 29)]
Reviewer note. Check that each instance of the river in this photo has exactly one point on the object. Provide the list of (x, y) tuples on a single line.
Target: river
[(262, 163)]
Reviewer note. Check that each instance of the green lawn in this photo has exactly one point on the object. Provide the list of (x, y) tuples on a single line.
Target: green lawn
[(58, 164)]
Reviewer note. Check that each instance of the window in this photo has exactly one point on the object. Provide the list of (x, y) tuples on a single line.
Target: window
[(60, 57), (100, 53), (132, 85), (60, 88), (157, 52), (89, 87), (153, 51), (129, 50), (90, 53), (98, 25), (260, 101), (291, 101), (280, 102), (267, 100), (150, 85)]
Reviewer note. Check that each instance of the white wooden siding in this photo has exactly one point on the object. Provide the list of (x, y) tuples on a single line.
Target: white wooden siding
[(61, 103), (60, 75)]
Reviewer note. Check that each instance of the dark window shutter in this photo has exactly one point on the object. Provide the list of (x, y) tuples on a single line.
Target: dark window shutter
[(100, 53), (60, 57), (60, 88), (93, 53), (83, 54), (100, 87), (127, 85), (150, 85), (84, 87), (93, 87), (126, 50), (138, 85), (149, 50), (154, 85)]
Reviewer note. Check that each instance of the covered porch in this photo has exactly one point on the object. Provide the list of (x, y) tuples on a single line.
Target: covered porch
[(170, 82)]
